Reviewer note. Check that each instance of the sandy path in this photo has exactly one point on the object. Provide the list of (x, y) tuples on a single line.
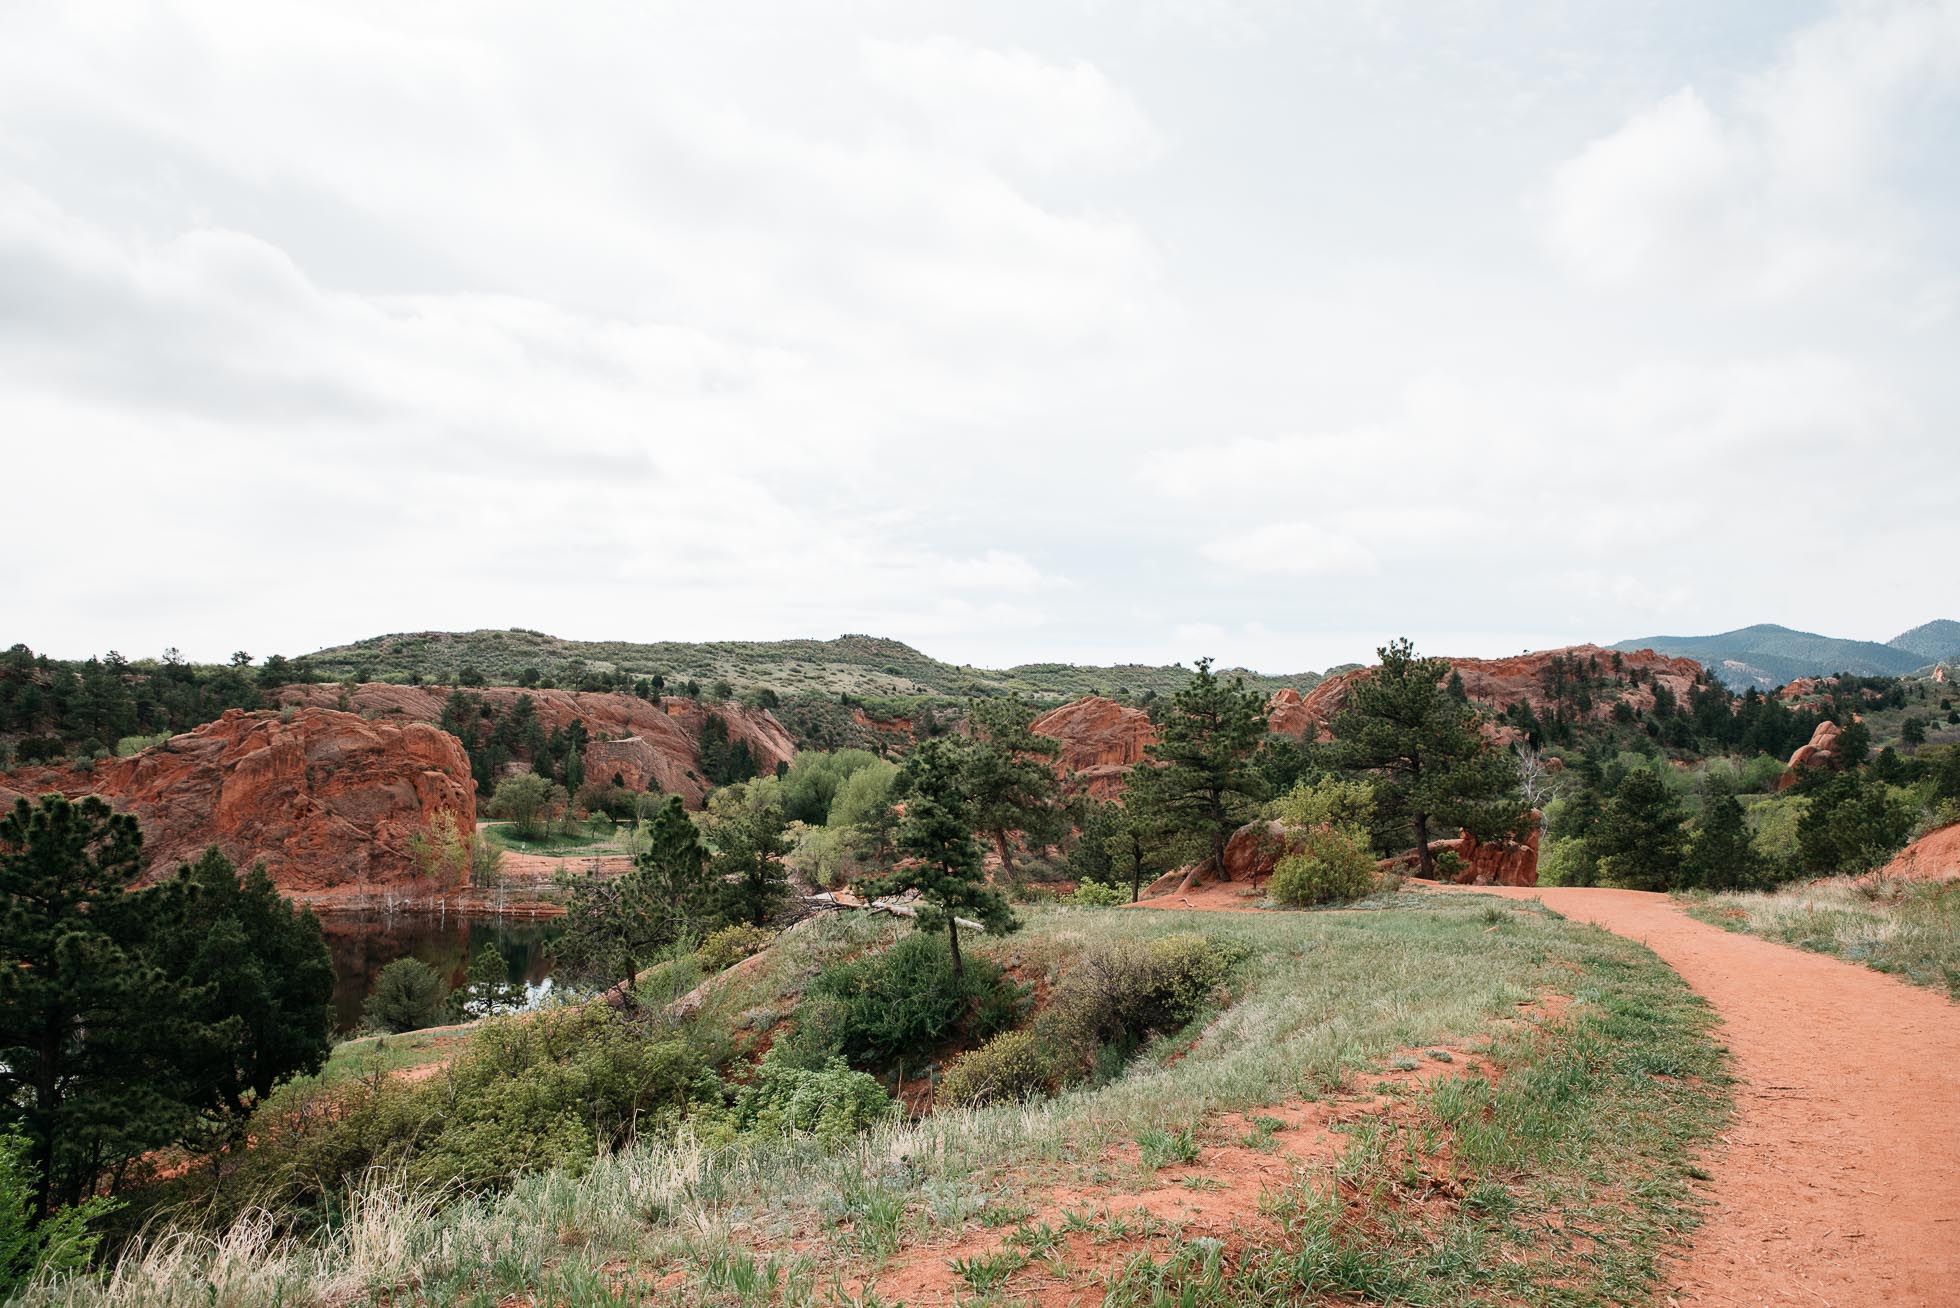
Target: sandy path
[(1842, 1181)]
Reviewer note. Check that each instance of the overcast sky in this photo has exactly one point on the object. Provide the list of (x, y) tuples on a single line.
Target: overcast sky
[(1066, 329)]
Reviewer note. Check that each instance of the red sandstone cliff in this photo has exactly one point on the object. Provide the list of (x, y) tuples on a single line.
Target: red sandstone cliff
[(1500, 683), (328, 801), (1101, 741), (640, 741)]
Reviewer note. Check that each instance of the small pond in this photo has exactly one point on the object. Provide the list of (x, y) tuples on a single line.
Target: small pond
[(363, 944)]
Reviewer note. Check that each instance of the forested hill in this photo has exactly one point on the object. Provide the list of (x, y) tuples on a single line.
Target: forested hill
[(856, 665), (1768, 655)]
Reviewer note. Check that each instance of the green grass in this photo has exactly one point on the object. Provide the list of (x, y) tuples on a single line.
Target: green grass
[(1910, 929), (595, 836), (1574, 1166)]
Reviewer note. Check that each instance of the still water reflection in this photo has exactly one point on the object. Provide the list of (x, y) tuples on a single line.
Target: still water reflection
[(362, 945)]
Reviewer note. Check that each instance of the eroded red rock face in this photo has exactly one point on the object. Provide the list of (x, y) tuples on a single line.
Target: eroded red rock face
[(1101, 741), (1498, 684), (328, 801), (642, 743), (1820, 751)]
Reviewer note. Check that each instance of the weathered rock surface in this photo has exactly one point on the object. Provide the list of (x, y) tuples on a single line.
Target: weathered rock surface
[(642, 742), (1101, 741), (1485, 862), (1500, 683), (1820, 751), (328, 801)]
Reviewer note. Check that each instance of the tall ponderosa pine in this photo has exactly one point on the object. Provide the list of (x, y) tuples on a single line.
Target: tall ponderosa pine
[(942, 861), (1422, 746), (258, 981), (1204, 785), (1009, 776), (614, 926), (77, 1010)]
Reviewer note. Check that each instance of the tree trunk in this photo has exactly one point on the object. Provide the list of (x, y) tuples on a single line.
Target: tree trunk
[(1006, 854), (1425, 862), (953, 941)]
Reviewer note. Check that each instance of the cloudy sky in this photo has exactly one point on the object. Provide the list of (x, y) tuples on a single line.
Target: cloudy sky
[(1064, 329)]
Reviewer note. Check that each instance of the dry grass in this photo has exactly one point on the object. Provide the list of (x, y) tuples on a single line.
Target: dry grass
[(1910, 929)]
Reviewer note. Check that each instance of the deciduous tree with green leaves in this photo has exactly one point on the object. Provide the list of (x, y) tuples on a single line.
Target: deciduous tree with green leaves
[(1421, 745), (942, 861)]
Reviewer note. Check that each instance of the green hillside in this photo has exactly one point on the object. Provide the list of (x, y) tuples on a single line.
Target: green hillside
[(856, 665), (1935, 642), (1769, 655)]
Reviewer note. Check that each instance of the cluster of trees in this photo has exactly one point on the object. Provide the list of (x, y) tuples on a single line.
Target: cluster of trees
[(133, 1020), (1645, 824), (60, 707), (1715, 719)]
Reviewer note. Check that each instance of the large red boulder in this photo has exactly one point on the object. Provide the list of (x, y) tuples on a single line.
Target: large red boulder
[(328, 801), (1820, 751), (645, 744)]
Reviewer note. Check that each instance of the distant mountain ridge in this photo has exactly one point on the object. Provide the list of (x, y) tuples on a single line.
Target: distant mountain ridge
[(1768, 655), (857, 665)]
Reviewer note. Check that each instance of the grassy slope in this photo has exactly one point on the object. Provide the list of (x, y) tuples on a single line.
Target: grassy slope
[(1575, 1165), (1908, 929), (860, 665)]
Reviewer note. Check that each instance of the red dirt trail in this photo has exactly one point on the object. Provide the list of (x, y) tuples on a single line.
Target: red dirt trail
[(1841, 1181)]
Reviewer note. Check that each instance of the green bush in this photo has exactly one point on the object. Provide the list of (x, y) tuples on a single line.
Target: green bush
[(1328, 867), (897, 1005), (1015, 1065), (1448, 864), (530, 1092), (408, 994), (1568, 862), (831, 1102), (1115, 997), (725, 948), (130, 745), (1097, 894)]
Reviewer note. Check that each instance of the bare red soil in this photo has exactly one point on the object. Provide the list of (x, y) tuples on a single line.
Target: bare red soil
[(1841, 1181)]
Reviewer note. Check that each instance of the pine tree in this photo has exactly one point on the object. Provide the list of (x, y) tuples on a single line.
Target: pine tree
[(613, 926), (1430, 762), (749, 842), (1639, 837), (1204, 784), (1720, 854), (78, 1012), (1008, 775), (943, 862)]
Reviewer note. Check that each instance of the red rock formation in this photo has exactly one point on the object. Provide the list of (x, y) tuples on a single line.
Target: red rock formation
[(1101, 741), (328, 801), (640, 741), (1500, 683), (1935, 856), (1485, 863), (1819, 752)]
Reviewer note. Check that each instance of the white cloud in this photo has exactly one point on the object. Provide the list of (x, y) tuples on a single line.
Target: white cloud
[(1298, 549), (1012, 105), (1791, 186)]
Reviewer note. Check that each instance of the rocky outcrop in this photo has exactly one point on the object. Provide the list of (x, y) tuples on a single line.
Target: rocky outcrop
[(1820, 751), (328, 801), (1497, 684), (646, 744), (1484, 862), (1101, 741)]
